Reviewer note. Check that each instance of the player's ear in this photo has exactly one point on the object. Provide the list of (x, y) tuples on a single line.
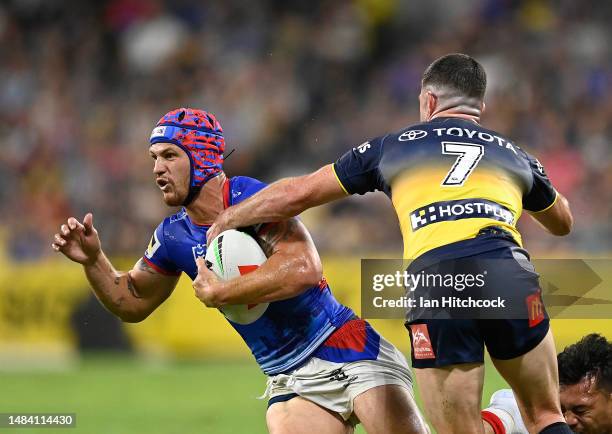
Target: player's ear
[(432, 104), (483, 107)]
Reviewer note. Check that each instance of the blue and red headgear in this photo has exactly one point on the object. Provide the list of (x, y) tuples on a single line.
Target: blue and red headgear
[(200, 135)]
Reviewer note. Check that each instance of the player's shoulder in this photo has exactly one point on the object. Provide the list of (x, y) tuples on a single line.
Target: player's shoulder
[(167, 231), (172, 224), (410, 133), (241, 187), (453, 128), (245, 182), (440, 127), (173, 219)]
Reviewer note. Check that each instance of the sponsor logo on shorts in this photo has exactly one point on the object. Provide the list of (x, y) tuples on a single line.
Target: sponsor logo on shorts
[(459, 210), (412, 135), (535, 308), (340, 376), (421, 343)]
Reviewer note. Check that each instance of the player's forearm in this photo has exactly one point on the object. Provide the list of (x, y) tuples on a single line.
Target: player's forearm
[(558, 219), (277, 279), (279, 201), (113, 288)]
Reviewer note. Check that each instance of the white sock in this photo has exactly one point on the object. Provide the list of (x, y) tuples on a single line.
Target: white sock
[(505, 417)]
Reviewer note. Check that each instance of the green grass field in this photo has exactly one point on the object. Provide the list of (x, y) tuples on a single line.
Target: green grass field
[(128, 395)]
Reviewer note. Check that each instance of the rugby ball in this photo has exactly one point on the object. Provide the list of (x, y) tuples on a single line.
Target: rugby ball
[(232, 254)]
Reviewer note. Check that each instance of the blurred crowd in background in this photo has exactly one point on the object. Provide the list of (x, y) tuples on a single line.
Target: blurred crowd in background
[(294, 84)]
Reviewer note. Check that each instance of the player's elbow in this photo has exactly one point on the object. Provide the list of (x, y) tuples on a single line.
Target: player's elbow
[(307, 273), (564, 221), (563, 227), (129, 314), (133, 317)]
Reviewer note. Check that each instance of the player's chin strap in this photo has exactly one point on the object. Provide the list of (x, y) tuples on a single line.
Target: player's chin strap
[(194, 191)]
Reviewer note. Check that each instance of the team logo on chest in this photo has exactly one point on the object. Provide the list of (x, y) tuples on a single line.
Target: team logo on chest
[(199, 251)]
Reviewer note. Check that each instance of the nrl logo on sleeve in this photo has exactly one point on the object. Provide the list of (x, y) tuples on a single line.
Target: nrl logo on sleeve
[(158, 132)]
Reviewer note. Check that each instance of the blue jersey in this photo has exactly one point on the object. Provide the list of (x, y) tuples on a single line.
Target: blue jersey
[(281, 334)]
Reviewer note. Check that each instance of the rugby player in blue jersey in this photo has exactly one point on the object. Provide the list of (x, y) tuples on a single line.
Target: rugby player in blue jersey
[(458, 190), (327, 369)]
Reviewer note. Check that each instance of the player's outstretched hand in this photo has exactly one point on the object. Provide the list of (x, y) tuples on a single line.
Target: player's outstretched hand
[(205, 285), (78, 241)]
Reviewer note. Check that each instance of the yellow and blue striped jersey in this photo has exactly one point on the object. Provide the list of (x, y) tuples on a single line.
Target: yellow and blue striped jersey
[(448, 179)]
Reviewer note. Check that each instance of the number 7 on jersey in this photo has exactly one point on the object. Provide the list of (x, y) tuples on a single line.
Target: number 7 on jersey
[(468, 156)]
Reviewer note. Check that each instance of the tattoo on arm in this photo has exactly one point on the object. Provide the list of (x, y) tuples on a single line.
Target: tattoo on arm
[(143, 266), (130, 284), (277, 232), (131, 287)]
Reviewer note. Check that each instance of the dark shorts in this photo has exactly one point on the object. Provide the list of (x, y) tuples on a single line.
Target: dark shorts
[(455, 341), (445, 337)]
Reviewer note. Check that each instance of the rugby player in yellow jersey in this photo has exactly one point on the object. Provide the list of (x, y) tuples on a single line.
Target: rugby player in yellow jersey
[(458, 190)]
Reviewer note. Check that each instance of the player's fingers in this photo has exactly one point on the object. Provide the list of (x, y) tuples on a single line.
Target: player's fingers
[(88, 222), (55, 247), (59, 240), (205, 271), (197, 285), (201, 263), (74, 224), (211, 234), (64, 230)]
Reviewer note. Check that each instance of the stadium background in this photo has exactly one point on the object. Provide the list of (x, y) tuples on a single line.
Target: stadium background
[(294, 84)]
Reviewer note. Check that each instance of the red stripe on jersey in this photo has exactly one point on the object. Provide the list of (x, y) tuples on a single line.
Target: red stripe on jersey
[(323, 284), (351, 336), (159, 269)]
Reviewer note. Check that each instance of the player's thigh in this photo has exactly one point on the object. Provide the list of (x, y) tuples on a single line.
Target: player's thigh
[(300, 416), (448, 356), (534, 380), (451, 396), (389, 409)]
